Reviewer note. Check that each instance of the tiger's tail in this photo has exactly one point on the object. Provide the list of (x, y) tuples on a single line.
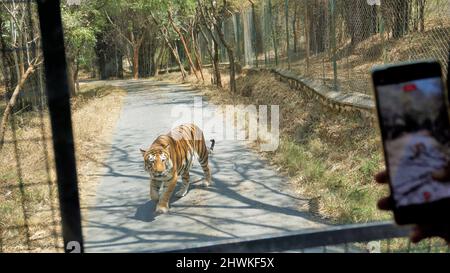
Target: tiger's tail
[(211, 148)]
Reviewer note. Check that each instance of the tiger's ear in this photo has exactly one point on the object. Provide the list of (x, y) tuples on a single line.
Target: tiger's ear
[(143, 152)]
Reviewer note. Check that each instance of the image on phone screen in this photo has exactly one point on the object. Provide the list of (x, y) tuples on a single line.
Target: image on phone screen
[(416, 135)]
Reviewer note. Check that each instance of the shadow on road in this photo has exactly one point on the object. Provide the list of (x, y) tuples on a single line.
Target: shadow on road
[(247, 197)]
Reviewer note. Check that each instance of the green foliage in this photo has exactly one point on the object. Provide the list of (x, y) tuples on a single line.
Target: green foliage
[(80, 27)]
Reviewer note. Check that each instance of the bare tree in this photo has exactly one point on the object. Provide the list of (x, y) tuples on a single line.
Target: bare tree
[(183, 41), (12, 101), (165, 34), (212, 15), (132, 29), (195, 47), (213, 56)]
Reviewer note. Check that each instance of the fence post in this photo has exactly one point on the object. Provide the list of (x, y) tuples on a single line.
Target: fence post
[(286, 14), (265, 32), (381, 22), (333, 40), (61, 121), (254, 37), (272, 30), (237, 30), (307, 38)]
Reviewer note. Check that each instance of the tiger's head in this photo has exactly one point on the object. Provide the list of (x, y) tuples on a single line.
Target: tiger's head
[(157, 160)]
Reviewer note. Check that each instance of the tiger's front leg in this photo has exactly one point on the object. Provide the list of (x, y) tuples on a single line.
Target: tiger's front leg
[(185, 187), (155, 185), (163, 204)]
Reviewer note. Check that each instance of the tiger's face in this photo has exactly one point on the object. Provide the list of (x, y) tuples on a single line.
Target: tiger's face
[(157, 162)]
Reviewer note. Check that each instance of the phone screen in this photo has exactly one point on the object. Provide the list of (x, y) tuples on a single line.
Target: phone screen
[(416, 134)]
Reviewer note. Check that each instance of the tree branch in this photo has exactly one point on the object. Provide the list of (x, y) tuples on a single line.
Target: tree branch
[(118, 29), (14, 97)]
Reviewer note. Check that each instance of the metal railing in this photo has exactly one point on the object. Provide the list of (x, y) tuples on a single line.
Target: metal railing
[(358, 238)]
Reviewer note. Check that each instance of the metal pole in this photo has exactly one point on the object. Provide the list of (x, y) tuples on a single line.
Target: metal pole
[(61, 121), (381, 24), (237, 30), (286, 14), (253, 28), (265, 32), (275, 47), (333, 40)]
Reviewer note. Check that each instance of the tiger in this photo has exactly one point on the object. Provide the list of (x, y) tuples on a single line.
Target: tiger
[(170, 156)]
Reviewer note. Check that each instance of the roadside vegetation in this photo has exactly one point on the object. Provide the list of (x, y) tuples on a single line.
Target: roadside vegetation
[(329, 156), (27, 171)]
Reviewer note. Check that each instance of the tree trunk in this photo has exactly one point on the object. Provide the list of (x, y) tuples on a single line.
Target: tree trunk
[(232, 71), (75, 77), (230, 52), (216, 64), (70, 79), (183, 41), (163, 30), (159, 60), (136, 62), (119, 63), (214, 59), (12, 102), (177, 59), (196, 50)]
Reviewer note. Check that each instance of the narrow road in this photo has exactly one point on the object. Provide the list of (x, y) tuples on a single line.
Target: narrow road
[(248, 197)]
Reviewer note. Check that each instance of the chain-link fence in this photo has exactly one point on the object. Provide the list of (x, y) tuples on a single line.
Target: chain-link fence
[(337, 42), (29, 218)]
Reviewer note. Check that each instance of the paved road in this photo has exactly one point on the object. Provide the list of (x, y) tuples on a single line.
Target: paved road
[(248, 198)]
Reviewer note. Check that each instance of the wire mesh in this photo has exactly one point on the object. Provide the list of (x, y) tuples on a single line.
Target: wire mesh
[(28, 208), (337, 42)]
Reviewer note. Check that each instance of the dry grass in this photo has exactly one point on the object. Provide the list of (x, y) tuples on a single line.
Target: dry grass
[(28, 194)]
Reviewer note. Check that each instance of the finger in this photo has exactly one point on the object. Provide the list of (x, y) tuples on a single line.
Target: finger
[(422, 232), (382, 177), (386, 204), (441, 175), (417, 235)]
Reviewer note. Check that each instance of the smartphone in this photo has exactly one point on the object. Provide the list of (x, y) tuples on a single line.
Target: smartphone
[(412, 111)]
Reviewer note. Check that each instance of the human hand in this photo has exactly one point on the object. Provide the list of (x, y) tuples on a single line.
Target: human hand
[(420, 232)]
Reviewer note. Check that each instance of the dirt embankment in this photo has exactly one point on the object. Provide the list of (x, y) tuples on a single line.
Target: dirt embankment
[(329, 156)]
